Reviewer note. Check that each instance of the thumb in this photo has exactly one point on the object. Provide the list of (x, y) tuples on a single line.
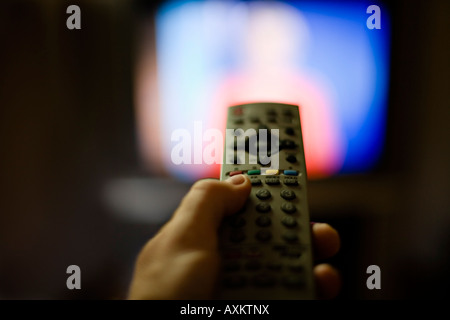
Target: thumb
[(209, 201)]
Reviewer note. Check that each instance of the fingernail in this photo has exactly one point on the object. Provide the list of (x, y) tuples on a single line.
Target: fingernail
[(237, 179)]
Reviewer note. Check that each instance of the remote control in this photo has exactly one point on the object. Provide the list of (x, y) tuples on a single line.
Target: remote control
[(266, 248)]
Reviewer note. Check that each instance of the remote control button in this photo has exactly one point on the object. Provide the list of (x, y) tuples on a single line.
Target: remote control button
[(293, 252), (296, 267), (290, 181), (271, 119), (263, 235), (271, 172), (235, 281), (288, 207), (287, 144), (287, 194), (237, 221), (272, 181), (294, 282), (238, 111), (231, 266), (291, 158), (253, 252), (264, 280), (287, 119), (290, 131), (263, 194), (271, 112), (253, 264), (233, 173), (238, 122), (274, 266), (237, 236), (279, 247), (253, 172), (263, 207), (263, 221), (255, 181), (287, 113), (290, 236), (290, 172), (289, 221), (254, 119)]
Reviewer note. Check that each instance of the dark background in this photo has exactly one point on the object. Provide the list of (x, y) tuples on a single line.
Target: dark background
[(67, 133)]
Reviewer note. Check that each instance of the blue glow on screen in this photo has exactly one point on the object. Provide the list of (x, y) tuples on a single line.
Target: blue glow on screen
[(350, 59)]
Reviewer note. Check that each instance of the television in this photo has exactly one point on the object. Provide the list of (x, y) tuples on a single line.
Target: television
[(194, 59)]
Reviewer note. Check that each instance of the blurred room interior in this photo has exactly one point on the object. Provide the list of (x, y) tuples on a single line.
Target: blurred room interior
[(76, 189)]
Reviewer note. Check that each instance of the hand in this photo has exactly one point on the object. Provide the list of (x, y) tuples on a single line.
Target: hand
[(182, 260)]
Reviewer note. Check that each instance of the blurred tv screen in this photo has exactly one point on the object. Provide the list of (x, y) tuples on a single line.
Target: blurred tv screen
[(196, 58)]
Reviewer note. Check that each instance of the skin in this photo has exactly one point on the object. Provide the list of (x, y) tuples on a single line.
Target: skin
[(182, 261)]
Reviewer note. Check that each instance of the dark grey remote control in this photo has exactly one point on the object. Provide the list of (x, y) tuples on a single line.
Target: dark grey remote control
[(266, 248)]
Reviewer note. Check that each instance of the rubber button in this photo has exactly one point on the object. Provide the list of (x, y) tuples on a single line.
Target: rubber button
[(289, 131), (253, 252), (263, 221), (238, 111), (263, 207), (288, 207), (272, 180), (293, 252), (290, 172), (264, 280), (287, 144), (290, 181), (287, 194), (290, 236), (294, 282), (291, 158), (255, 181), (296, 267), (289, 221), (263, 235), (271, 172), (273, 265), (253, 172), (233, 173), (253, 265), (263, 194)]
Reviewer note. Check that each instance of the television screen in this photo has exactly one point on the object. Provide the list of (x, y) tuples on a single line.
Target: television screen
[(197, 58)]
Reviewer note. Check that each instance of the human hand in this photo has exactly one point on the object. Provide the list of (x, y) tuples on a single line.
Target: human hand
[(182, 260)]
